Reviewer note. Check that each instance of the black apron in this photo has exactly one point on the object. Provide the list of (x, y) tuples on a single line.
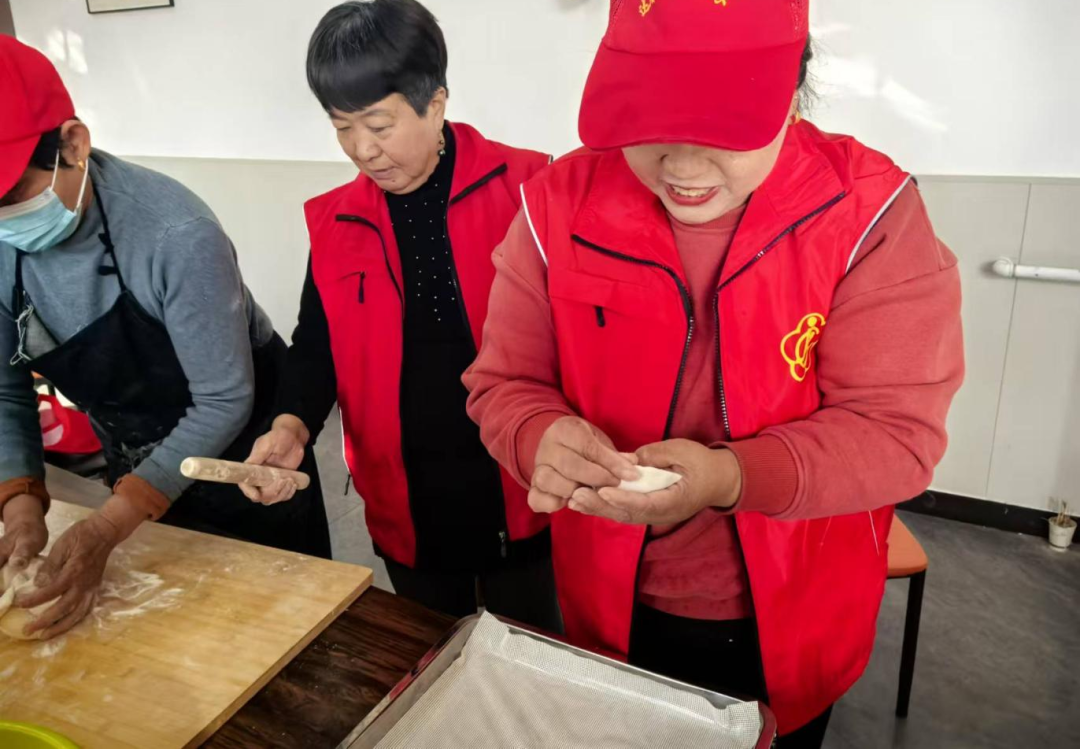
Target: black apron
[(122, 370)]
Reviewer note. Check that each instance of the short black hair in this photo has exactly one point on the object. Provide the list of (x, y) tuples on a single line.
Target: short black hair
[(365, 50), (44, 156)]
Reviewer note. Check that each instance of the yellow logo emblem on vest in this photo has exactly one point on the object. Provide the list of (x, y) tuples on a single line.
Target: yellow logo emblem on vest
[(798, 345)]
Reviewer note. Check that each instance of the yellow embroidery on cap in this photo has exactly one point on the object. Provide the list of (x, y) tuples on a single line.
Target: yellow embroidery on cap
[(647, 5), (798, 345)]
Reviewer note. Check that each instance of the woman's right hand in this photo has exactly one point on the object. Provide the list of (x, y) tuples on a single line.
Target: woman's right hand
[(281, 447), (572, 454), (72, 572), (25, 532)]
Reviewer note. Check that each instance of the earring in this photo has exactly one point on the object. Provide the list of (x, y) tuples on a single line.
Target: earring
[(796, 118), (82, 165), (442, 145)]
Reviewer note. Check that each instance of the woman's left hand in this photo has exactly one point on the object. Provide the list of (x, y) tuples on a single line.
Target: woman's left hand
[(711, 478)]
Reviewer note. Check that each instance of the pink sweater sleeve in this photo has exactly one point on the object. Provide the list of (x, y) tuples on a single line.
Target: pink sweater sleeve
[(515, 393), (889, 363)]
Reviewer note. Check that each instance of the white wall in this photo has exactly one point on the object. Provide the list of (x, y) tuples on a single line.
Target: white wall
[(977, 87), (225, 78)]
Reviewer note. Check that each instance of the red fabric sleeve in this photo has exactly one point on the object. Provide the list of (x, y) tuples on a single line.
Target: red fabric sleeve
[(770, 475), (889, 363), (515, 393)]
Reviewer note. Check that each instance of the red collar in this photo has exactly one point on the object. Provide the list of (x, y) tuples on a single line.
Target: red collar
[(620, 214)]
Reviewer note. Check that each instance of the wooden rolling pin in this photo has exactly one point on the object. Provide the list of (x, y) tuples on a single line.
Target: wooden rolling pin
[(228, 472)]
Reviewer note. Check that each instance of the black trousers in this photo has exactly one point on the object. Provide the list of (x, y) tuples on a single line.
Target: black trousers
[(520, 590), (298, 525), (722, 656)]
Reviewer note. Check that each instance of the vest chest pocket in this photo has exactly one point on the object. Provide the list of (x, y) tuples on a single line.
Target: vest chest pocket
[(606, 303), (352, 267), (618, 343)]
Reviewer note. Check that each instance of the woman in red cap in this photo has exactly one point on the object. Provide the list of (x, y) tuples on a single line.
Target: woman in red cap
[(126, 295), (737, 297)]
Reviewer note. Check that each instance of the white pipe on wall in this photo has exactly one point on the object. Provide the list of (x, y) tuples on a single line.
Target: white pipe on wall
[(1007, 268)]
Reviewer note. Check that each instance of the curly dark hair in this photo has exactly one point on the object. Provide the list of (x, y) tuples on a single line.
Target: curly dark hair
[(807, 94)]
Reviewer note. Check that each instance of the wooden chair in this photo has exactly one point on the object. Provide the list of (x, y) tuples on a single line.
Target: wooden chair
[(907, 559)]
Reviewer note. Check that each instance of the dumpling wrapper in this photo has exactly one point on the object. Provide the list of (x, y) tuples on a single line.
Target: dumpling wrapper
[(652, 480), (12, 620)]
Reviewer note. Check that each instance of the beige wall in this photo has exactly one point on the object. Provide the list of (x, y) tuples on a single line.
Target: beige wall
[(260, 204), (7, 26), (1015, 426)]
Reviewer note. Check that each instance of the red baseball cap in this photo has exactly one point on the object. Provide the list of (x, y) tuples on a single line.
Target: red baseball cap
[(717, 73), (35, 102)]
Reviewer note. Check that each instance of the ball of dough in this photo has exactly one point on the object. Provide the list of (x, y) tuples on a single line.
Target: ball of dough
[(13, 620), (10, 578)]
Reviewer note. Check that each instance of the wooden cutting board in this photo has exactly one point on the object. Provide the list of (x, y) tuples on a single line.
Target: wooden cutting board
[(187, 628)]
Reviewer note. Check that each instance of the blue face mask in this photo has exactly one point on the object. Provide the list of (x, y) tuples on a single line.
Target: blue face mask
[(41, 222)]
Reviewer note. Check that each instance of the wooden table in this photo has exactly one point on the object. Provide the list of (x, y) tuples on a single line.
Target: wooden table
[(330, 687), (335, 682)]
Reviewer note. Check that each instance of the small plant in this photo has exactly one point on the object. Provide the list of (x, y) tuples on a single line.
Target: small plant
[(1062, 527), (1063, 519)]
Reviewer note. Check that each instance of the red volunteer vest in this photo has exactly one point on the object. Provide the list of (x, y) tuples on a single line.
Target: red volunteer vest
[(353, 248), (816, 584)]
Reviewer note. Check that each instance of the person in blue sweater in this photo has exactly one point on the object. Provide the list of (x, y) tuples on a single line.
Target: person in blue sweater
[(122, 289)]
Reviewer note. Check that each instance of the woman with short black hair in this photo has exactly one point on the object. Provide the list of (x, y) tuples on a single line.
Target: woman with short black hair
[(392, 312)]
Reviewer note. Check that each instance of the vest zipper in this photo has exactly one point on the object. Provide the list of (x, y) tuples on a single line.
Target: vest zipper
[(716, 300), (504, 525), (601, 321), (454, 277), (501, 169), (720, 367), (688, 309), (719, 363)]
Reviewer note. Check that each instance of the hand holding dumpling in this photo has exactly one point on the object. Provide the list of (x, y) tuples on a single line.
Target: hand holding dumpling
[(711, 478)]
